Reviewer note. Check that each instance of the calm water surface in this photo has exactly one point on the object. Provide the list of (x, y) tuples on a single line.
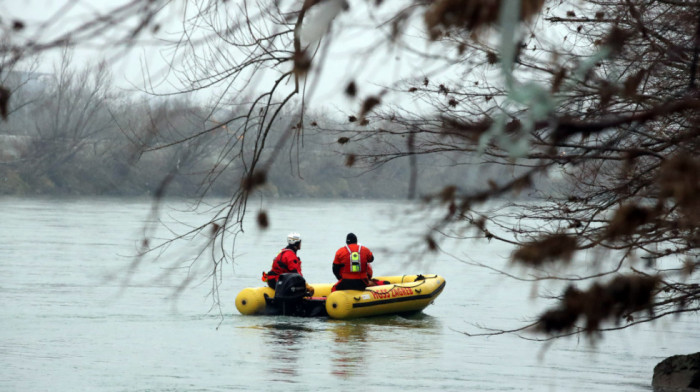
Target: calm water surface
[(73, 318)]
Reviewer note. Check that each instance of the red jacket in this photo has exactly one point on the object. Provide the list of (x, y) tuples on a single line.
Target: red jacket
[(285, 261), (353, 261)]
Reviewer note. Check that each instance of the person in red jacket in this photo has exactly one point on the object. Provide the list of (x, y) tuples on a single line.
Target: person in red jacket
[(286, 261), (351, 265)]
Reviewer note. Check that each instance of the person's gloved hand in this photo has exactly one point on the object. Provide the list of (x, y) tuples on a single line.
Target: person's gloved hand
[(309, 290)]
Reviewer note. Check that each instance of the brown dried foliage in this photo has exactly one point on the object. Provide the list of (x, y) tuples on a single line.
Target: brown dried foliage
[(679, 179), (447, 194), (254, 180), (351, 89), (215, 229), (551, 248), (470, 131), (491, 57), (471, 15), (616, 39), (558, 79), (368, 105), (432, 245), (350, 160), (262, 219), (627, 220), (302, 63), (632, 83), (4, 101), (601, 302)]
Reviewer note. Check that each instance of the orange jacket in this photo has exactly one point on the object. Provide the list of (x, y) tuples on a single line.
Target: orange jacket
[(285, 261), (353, 262)]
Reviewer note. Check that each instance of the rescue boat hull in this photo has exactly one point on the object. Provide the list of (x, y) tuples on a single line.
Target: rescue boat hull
[(403, 294)]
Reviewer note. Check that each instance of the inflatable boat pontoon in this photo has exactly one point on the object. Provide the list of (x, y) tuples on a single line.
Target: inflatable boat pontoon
[(403, 294)]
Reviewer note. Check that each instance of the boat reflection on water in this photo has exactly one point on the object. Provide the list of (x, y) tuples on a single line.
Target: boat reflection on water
[(348, 348), (284, 342), (354, 340), (297, 349)]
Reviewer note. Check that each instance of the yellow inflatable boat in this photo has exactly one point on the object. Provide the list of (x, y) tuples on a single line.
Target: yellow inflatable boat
[(403, 294)]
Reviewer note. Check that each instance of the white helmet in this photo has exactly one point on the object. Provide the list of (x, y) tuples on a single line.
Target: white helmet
[(293, 238)]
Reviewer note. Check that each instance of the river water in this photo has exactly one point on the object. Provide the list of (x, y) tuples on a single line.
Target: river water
[(77, 314)]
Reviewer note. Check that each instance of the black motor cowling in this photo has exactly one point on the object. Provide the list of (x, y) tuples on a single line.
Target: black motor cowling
[(290, 286), (289, 299)]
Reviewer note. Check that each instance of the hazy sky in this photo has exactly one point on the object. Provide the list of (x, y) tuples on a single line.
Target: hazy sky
[(47, 20), (354, 52)]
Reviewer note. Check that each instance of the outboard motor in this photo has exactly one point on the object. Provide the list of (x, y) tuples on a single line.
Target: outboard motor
[(290, 287), (289, 300), (289, 295)]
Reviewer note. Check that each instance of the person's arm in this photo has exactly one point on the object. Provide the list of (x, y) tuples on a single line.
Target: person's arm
[(337, 266), (294, 264), (336, 270), (297, 266)]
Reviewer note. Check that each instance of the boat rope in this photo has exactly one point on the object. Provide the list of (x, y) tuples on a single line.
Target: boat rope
[(419, 277), (394, 286)]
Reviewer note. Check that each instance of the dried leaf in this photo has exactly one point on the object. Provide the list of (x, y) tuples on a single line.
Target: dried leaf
[(550, 248), (613, 301), (616, 39), (447, 194), (262, 219), (4, 102), (254, 180), (626, 221), (350, 160), (351, 89), (558, 79), (491, 57), (432, 245), (632, 84), (470, 15), (368, 105), (302, 63)]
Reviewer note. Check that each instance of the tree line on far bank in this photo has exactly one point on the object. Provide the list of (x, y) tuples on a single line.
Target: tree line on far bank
[(71, 133)]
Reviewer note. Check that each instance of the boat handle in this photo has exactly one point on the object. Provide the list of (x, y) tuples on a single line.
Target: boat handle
[(356, 298), (418, 291)]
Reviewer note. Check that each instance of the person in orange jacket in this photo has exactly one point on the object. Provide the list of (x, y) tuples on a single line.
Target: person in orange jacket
[(351, 265), (286, 261)]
